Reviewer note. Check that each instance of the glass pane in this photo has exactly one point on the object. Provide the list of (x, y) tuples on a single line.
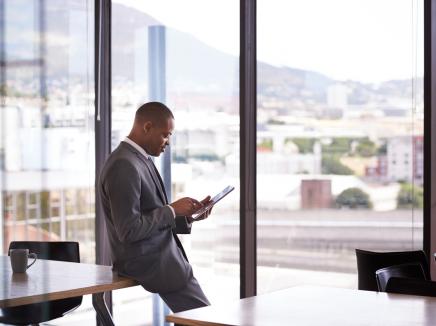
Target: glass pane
[(181, 53), (340, 131), (47, 135)]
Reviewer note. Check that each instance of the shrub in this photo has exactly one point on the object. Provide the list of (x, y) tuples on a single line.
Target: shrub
[(332, 165), (353, 198), (410, 196)]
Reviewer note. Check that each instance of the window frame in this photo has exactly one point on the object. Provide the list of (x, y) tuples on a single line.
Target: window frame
[(248, 108)]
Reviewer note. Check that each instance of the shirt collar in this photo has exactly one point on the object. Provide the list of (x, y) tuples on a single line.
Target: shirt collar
[(137, 147)]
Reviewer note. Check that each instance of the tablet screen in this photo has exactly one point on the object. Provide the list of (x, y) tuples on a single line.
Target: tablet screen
[(213, 201)]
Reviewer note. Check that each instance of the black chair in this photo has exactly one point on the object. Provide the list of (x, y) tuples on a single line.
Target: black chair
[(410, 271), (368, 262), (41, 312), (411, 286)]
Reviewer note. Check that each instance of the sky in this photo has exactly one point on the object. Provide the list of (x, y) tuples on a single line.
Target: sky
[(363, 40)]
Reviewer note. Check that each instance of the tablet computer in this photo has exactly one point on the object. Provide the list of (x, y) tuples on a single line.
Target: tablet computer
[(213, 201)]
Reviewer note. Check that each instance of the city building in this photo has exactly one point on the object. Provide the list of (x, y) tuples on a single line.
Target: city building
[(405, 159)]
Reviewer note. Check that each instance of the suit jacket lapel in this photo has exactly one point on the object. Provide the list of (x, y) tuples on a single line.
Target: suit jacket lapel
[(156, 178), (152, 168), (153, 172)]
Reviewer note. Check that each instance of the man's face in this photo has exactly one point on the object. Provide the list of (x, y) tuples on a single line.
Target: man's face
[(158, 136)]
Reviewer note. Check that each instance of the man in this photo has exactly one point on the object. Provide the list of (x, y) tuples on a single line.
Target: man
[(141, 225)]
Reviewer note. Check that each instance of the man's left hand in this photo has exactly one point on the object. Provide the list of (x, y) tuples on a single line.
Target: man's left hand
[(203, 216)]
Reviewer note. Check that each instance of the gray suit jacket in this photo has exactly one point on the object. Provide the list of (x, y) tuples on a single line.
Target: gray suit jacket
[(142, 230)]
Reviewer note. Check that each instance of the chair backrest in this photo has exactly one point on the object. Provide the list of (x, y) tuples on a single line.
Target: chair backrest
[(413, 271), (56, 250), (411, 286), (368, 262)]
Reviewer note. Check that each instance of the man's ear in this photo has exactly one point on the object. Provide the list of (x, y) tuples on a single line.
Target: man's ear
[(147, 126)]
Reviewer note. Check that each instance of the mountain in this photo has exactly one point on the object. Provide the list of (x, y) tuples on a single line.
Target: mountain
[(192, 67), (290, 84), (195, 66)]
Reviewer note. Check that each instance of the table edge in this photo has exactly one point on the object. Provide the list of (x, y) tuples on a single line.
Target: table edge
[(191, 322), (121, 283)]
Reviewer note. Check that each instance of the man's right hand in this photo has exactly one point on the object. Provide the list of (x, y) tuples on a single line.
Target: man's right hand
[(186, 206)]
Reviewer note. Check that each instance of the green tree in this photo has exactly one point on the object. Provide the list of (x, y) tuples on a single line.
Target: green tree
[(353, 198), (366, 148), (331, 165), (339, 145), (305, 145), (410, 196)]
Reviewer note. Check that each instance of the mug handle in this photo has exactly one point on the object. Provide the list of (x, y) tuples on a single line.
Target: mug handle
[(34, 256)]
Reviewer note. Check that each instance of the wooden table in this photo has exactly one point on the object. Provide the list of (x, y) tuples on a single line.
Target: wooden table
[(51, 280), (307, 305)]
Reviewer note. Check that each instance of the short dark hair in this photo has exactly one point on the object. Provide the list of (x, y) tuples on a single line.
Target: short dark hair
[(156, 112)]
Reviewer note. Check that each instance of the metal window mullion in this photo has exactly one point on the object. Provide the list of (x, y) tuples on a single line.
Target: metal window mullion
[(103, 105), (102, 52), (247, 101), (3, 192), (429, 134)]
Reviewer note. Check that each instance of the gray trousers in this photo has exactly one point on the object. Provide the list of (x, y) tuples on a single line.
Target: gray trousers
[(190, 297)]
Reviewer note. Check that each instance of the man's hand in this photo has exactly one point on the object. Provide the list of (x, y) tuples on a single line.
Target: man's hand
[(203, 216), (186, 206)]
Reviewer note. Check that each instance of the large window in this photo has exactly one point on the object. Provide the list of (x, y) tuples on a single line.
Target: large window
[(46, 123), (339, 139), (339, 130), (181, 53)]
